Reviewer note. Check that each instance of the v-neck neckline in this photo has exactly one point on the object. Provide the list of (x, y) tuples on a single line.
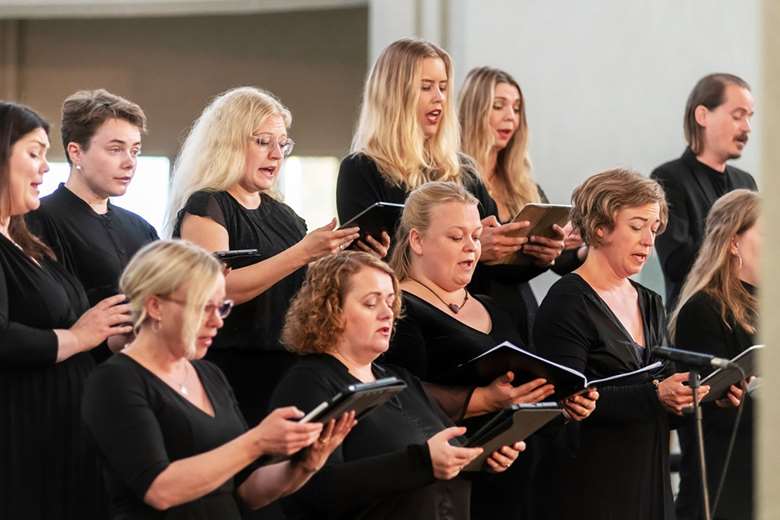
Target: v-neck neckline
[(178, 394), (453, 318)]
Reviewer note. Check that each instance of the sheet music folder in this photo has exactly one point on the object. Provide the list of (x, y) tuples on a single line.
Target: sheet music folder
[(378, 217), (721, 379)]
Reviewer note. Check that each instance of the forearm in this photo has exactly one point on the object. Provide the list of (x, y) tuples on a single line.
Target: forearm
[(269, 483), (248, 282), (68, 344)]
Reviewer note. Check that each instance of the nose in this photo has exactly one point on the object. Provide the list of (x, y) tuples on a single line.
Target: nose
[(44, 166), (275, 151), (746, 125), (385, 311), (438, 94), (648, 238)]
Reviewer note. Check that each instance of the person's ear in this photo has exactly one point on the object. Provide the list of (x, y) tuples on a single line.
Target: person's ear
[(701, 113), (75, 153), (415, 241)]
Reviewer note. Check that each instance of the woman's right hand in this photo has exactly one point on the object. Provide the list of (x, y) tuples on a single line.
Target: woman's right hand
[(502, 394), (281, 433), (109, 317), (497, 240), (374, 246), (675, 395), (326, 240), (449, 460)]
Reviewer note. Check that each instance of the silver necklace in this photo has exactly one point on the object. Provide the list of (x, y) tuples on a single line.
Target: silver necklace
[(182, 387)]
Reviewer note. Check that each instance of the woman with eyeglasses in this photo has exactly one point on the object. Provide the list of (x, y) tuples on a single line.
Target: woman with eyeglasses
[(222, 198), (166, 423)]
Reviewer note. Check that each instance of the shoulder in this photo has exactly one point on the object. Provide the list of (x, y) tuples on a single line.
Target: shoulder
[(742, 178), (699, 306), (134, 219), (117, 374), (211, 371), (670, 170), (358, 163), (203, 197), (280, 207), (570, 284)]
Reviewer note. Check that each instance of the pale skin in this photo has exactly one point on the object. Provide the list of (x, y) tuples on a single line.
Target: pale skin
[(443, 258), (368, 315), (726, 127), (161, 349), (263, 162), (109, 317)]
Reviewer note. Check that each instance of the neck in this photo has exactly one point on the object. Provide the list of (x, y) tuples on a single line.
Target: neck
[(76, 184), (599, 273), (418, 278), (147, 347), (489, 168), (360, 368), (248, 199), (713, 161), (5, 222)]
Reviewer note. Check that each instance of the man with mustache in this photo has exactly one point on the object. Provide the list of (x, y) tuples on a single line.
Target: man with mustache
[(717, 126)]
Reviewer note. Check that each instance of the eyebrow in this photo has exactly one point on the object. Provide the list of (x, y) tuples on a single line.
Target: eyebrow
[(40, 143)]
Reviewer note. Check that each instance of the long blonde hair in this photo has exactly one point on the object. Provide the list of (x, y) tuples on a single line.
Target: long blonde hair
[(162, 267), (418, 211), (716, 270), (388, 130), (213, 155), (512, 180)]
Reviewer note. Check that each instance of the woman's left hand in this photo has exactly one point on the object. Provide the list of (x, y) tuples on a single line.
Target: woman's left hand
[(545, 250), (579, 407), (733, 398), (502, 458), (333, 434), (374, 246)]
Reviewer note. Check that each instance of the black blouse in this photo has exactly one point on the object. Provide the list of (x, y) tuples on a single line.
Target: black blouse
[(272, 228), (141, 425), (618, 463), (383, 468), (700, 328), (94, 247)]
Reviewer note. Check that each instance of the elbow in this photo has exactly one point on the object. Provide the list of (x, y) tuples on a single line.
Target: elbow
[(159, 499)]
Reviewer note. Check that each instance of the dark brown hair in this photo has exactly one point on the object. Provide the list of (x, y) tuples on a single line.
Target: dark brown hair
[(84, 111), (16, 121), (710, 92)]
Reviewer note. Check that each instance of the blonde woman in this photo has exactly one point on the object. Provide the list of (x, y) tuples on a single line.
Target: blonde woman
[(166, 423), (718, 314), (494, 130), (408, 135), (221, 199)]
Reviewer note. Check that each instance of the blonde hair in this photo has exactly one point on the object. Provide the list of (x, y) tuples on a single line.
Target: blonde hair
[(314, 320), (214, 154), (417, 214), (597, 201), (162, 267), (512, 180), (715, 271), (388, 130)]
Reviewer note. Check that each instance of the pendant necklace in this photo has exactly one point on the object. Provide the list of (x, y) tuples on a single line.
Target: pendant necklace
[(182, 387), (454, 307)]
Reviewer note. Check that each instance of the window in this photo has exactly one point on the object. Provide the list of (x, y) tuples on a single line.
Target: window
[(308, 186)]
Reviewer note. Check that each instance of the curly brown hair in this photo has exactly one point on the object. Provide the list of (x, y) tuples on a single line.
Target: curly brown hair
[(314, 319)]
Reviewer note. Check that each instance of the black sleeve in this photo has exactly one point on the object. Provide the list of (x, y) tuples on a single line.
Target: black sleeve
[(21, 345), (675, 246), (121, 420), (563, 333), (357, 186), (342, 486), (204, 204), (567, 262)]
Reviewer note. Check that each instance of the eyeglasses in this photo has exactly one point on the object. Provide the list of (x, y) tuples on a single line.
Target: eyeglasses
[(222, 309), (267, 142)]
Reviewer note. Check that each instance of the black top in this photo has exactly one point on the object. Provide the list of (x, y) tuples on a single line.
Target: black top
[(271, 228), (700, 328), (47, 469), (691, 189), (141, 425), (383, 468), (94, 247), (618, 466)]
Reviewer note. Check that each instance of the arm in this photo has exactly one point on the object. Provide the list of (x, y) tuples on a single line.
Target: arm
[(675, 245)]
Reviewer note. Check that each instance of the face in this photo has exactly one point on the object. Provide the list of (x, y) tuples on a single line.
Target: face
[(264, 155), (448, 251), (171, 310), (433, 95), (748, 247), (628, 246), (368, 315), (727, 127), (26, 166), (108, 165), (504, 118)]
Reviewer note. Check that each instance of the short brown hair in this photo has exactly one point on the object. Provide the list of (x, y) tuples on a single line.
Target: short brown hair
[(84, 111), (709, 92), (597, 200), (314, 320)]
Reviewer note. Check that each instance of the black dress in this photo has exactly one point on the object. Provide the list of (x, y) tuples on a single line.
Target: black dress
[(141, 425), (47, 468), (617, 462), (700, 328), (383, 468), (247, 348), (94, 247), (431, 344)]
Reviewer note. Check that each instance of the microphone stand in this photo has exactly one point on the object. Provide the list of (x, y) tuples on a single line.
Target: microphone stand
[(694, 378)]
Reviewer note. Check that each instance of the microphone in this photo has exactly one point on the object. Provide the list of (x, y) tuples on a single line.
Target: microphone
[(695, 359)]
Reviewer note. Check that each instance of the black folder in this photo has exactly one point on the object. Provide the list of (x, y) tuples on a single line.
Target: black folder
[(507, 427), (378, 217), (238, 258), (542, 218), (499, 360), (721, 379)]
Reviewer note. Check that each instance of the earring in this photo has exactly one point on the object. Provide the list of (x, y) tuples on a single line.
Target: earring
[(78, 167), (156, 324), (739, 258)]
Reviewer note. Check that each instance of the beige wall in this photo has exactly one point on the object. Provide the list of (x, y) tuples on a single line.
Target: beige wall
[(315, 61)]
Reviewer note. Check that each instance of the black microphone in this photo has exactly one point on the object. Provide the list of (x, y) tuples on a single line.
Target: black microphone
[(695, 359)]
